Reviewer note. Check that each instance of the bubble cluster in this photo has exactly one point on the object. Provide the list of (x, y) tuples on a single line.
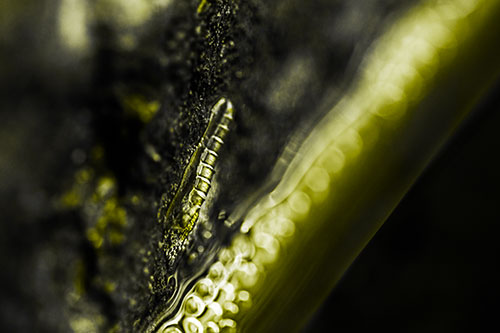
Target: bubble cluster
[(213, 302)]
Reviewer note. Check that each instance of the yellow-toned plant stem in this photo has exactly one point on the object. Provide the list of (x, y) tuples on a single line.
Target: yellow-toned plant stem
[(423, 77)]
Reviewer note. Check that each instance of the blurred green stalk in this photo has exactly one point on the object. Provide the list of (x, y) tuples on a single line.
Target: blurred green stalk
[(423, 77)]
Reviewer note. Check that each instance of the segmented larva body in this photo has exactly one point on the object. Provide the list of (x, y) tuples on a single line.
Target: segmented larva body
[(197, 179), (206, 167)]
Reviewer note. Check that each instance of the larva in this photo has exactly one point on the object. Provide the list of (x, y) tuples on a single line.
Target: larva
[(184, 209)]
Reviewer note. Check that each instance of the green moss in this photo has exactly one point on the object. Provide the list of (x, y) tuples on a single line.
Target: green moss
[(140, 107)]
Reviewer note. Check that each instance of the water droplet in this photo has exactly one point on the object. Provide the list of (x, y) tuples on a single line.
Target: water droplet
[(317, 179), (205, 288), (299, 202), (192, 325), (216, 271), (243, 296), (333, 160), (212, 327), (247, 274), (226, 256), (350, 143), (268, 248), (229, 323), (194, 305), (243, 246), (286, 228), (227, 292), (231, 308), (216, 309)]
